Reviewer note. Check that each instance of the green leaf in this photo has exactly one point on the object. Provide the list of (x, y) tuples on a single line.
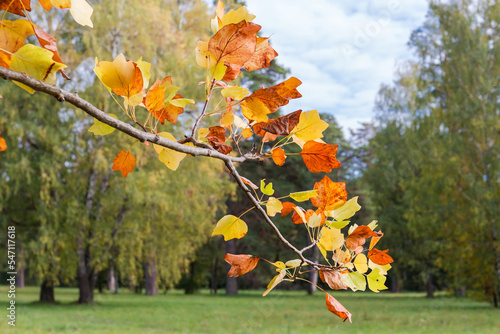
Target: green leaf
[(101, 129), (355, 281), (230, 227), (376, 281), (338, 225), (303, 195), (266, 190), (294, 263), (181, 103)]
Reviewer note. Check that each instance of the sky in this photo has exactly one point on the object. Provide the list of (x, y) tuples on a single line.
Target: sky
[(342, 51)]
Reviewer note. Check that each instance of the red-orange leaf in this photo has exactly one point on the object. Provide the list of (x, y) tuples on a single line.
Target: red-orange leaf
[(287, 208), (331, 195), (15, 6), (358, 237), (336, 308), (282, 125), (50, 43), (3, 144), (380, 257), (262, 56), (320, 157), (234, 43), (240, 264), (375, 240), (333, 279), (124, 162), (279, 156), (217, 137)]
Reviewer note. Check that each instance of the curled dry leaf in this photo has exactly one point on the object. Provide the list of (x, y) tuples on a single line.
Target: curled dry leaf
[(16, 7), (331, 195), (279, 156), (320, 157), (262, 56), (336, 308), (380, 257), (375, 240), (358, 237), (333, 279), (217, 137), (124, 162), (282, 125), (240, 264)]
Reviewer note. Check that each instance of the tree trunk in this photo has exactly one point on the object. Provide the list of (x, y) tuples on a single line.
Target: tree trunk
[(111, 280), (150, 278), (231, 282), (429, 286), (395, 282), (313, 275), (214, 279), (86, 276), (21, 268), (47, 292)]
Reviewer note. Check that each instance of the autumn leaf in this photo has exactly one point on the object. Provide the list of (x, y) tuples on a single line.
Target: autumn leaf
[(61, 4), (16, 6), (294, 263), (358, 237), (275, 281), (3, 144), (37, 63), (282, 125), (217, 137), (230, 227), (101, 129), (163, 102), (266, 136), (383, 269), (331, 238), (50, 43), (310, 126), (333, 279), (320, 157), (375, 240), (124, 162), (240, 264), (299, 215), (236, 16), (354, 280), (118, 74), (257, 106), (380, 257), (266, 189), (346, 211), (303, 195), (279, 156), (169, 157), (12, 37), (287, 208), (331, 195), (336, 308), (361, 263), (234, 43), (81, 12), (273, 206), (315, 219), (376, 281), (235, 92), (262, 56)]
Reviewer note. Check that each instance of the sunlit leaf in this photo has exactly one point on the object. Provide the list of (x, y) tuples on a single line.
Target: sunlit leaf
[(346, 211), (380, 257), (81, 12), (279, 156), (354, 280), (266, 189), (273, 206), (358, 237), (124, 162), (101, 129), (320, 157), (303, 195), (331, 195), (230, 227), (376, 281), (336, 308), (361, 263), (169, 157), (240, 264), (310, 126), (331, 238), (235, 92)]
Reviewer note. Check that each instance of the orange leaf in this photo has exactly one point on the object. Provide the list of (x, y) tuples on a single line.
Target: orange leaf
[(380, 257), (279, 156), (232, 71), (358, 237), (248, 182), (217, 137), (375, 240), (336, 308), (135, 86), (15, 6), (262, 56), (282, 125), (331, 195), (257, 106), (320, 157), (296, 219), (50, 43), (266, 136), (3, 144), (234, 43), (333, 279), (124, 162), (47, 4), (240, 264), (287, 208)]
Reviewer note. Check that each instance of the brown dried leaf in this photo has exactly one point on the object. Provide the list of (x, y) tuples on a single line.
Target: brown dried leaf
[(240, 264), (333, 279), (358, 237), (262, 56), (217, 137)]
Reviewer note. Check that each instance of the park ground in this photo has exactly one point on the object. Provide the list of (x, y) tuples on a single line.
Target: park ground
[(249, 312)]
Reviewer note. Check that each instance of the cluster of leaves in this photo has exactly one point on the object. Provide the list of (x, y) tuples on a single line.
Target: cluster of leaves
[(242, 116)]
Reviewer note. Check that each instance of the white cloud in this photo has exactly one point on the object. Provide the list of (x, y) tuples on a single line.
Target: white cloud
[(341, 51)]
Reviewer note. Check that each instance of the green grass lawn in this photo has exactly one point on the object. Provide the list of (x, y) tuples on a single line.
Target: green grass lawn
[(279, 312)]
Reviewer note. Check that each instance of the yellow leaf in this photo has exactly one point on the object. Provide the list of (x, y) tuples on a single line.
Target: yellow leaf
[(204, 58), (218, 71), (230, 227), (134, 100), (81, 12), (169, 157), (13, 34), (314, 220), (294, 263), (383, 269), (303, 195), (340, 225), (275, 281), (235, 92), (376, 281), (236, 16), (181, 103), (255, 109), (117, 74), (273, 206), (300, 213), (354, 280), (301, 142), (266, 190), (360, 262), (331, 238), (279, 264), (145, 68), (101, 129), (310, 126), (346, 211), (37, 63)]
